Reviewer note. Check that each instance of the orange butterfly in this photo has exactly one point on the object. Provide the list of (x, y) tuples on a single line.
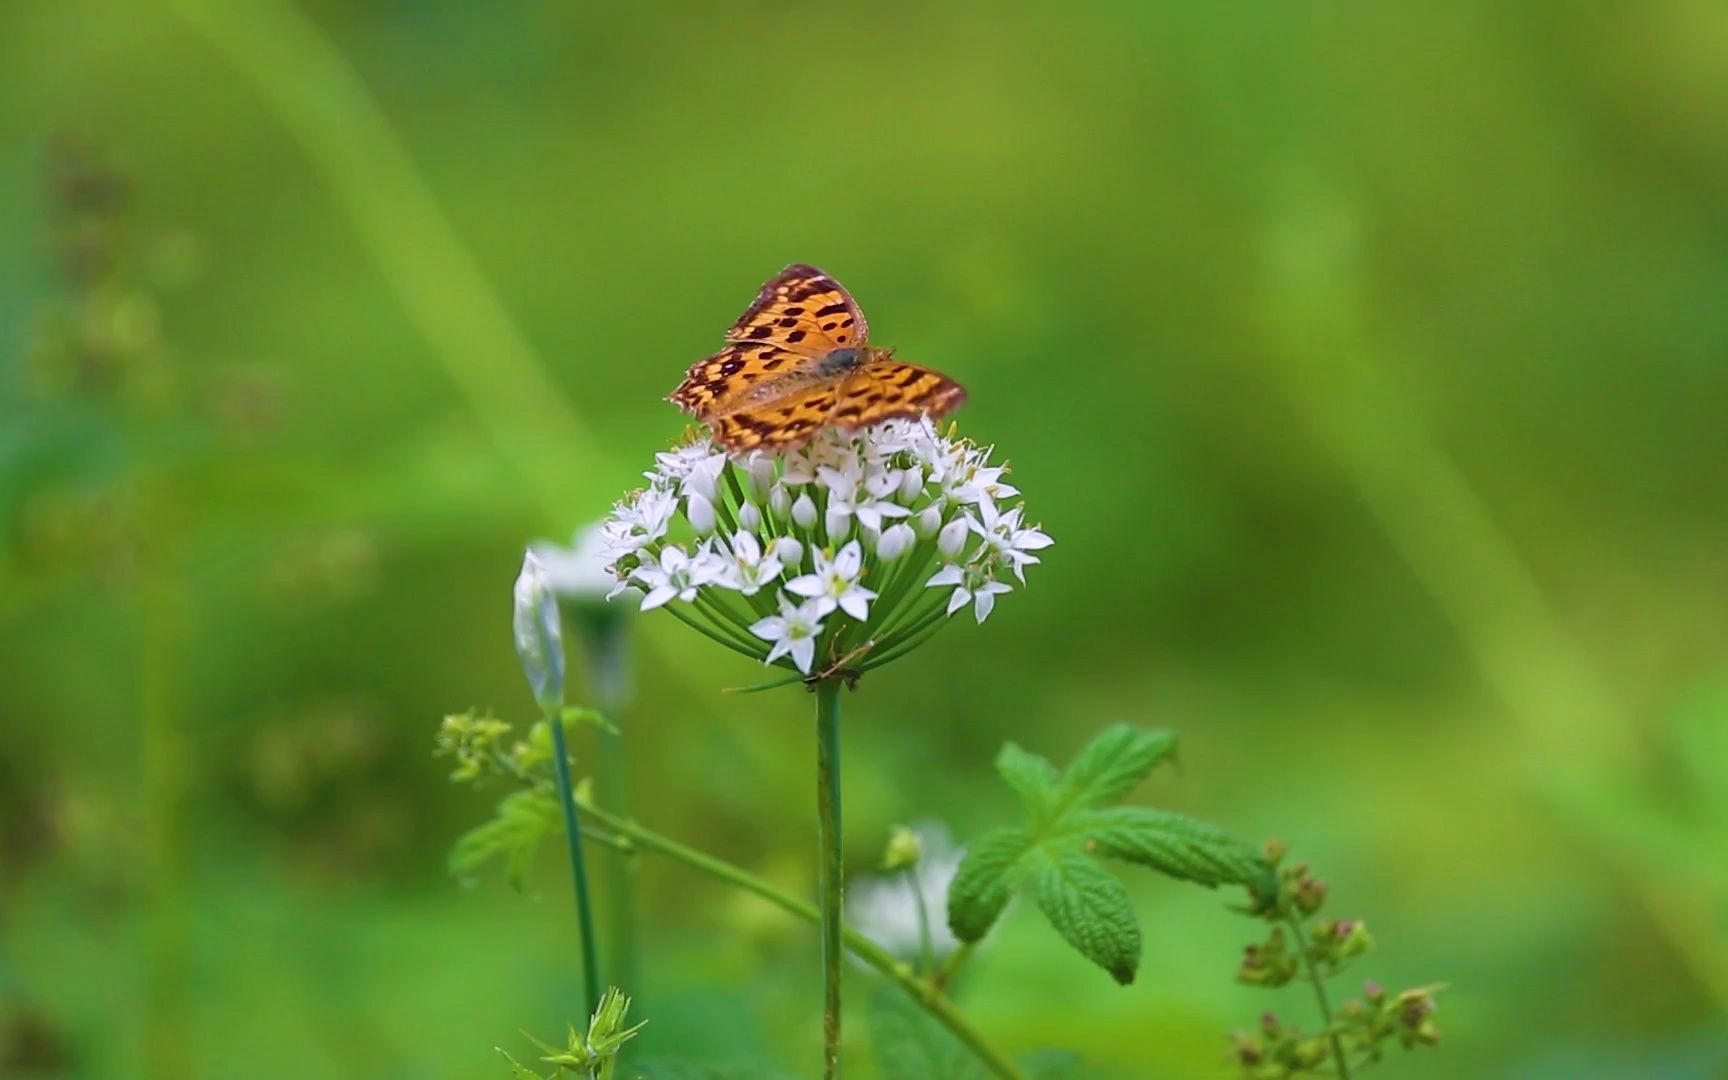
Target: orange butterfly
[(797, 361)]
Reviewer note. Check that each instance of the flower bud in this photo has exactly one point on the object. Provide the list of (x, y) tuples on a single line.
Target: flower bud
[(761, 476), (787, 551), (952, 538), (780, 504), (804, 511), (903, 850), (896, 541), (700, 511), (539, 634), (749, 517), (839, 525), (928, 520), (911, 483)]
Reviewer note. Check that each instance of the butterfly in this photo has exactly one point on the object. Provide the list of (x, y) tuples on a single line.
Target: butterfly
[(799, 361)]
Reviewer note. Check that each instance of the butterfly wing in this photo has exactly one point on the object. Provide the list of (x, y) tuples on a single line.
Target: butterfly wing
[(886, 389), (797, 318), (879, 390), (786, 421), (731, 376), (802, 309)]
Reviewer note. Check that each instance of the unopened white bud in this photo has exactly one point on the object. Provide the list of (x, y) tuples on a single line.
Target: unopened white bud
[(952, 538), (761, 475), (928, 520), (839, 525), (749, 517), (780, 504), (787, 551), (896, 541), (700, 512), (911, 483), (804, 511)]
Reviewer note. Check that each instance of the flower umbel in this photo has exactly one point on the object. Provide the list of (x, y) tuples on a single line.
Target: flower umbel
[(832, 559)]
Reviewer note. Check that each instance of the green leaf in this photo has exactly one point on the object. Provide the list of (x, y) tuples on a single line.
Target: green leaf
[(911, 1046), (1113, 764), (988, 875), (1033, 779), (1052, 1065), (1173, 844), (522, 821), (678, 1069), (1090, 909)]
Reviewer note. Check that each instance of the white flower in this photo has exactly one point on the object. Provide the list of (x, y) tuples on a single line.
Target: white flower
[(677, 576), (793, 632), (835, 583), (847, 497), (884, 908), (578, 572), (637, 522), (747, 569), (539, 633), (898, 499), (694, 468), (1008, 542), (969, 585)]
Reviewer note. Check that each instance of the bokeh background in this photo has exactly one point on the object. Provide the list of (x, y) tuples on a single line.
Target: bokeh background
[(1369, 364)]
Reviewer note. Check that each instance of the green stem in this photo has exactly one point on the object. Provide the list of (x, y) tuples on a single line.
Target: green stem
[(925, 993), (608, 643), (832, 884), (926, 942), (578, 869), (944, 978), (1319, 983)]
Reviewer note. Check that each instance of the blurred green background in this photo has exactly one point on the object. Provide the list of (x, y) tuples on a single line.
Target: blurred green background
[(1368, 363)]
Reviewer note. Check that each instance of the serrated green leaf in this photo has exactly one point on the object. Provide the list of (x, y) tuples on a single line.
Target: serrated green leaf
[(990, 872), (911, 1046), (522, 821), (1173, 844), (1113, 764), (1033, 779), (1090, 909)]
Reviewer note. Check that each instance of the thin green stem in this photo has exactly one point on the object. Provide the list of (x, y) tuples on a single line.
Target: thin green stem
[(945, 975), (607, 641), (706, 630), (832, 884), (924, 993), (1319, 982), (926, 941), (578, 868)]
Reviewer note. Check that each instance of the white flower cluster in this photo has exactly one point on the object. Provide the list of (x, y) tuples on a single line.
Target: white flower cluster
[(830, 550)]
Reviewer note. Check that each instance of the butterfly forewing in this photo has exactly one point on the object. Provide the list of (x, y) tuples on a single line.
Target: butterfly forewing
[(805, 310)]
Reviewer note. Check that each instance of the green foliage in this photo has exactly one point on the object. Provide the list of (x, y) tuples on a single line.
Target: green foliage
[(591, 1054), (1071, 820), (910, 1046), (514, 833), (1361, 1030)]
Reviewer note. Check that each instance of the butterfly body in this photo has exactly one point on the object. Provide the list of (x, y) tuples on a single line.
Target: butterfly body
[(797, 361)]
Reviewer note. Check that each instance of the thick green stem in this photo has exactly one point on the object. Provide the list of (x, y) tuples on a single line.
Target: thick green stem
[(922, 992), (832, 888), (1319, 983), (578, 868)]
